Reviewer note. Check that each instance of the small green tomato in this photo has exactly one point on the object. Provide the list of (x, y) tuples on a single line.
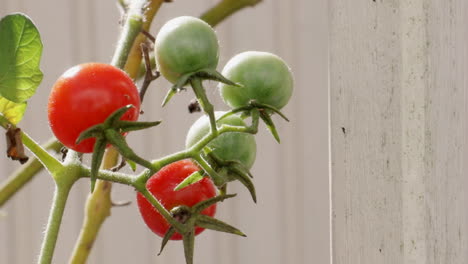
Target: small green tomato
[(184, 45), (264, 77), (228, 146)]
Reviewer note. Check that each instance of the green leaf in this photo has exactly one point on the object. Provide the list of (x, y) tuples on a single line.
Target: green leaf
[(20, 53), (12, 111)]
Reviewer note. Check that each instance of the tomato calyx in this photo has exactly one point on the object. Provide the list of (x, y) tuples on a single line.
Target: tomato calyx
[(231, 170), (264, 111), (191, 217), (110, 132), (195, 79)]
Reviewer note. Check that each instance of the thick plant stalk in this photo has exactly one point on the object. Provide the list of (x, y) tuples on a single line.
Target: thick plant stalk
[(98, 208), (55, 220)]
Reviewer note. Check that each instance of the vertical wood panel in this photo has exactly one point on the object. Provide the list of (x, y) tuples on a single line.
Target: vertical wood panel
[(398, 131)]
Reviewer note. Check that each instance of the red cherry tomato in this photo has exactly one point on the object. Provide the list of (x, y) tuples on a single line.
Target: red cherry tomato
[(162, 185), (84, 96)]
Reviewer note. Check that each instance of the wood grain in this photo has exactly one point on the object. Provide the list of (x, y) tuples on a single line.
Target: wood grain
[(397, 102)]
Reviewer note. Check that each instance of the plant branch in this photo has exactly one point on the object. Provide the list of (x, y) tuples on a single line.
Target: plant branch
[(49, 162), (224, 9), (132, 65), (97, 209), (24, 174), (127, 56), (55, 220)]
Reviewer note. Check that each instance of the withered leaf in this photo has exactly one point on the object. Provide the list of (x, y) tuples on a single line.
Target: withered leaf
[(15, 147)]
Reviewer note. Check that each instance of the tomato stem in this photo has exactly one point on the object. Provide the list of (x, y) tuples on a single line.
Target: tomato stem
[(224, 9), (200, 93), (178, 226), (97, 210), (131, 29), (62, 190)]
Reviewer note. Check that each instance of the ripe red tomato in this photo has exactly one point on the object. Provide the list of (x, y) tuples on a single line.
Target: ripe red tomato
[(84, 96), (162, 185)]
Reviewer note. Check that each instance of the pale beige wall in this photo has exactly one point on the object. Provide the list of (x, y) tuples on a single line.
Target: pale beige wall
[(292, 176)]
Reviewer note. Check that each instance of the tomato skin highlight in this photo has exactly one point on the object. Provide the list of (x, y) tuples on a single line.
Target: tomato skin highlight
[(162, 185), (185, 44), (228, 146), (84, 96), (265, 77)]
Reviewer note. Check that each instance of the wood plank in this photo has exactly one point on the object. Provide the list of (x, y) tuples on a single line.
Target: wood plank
[(397, 131)]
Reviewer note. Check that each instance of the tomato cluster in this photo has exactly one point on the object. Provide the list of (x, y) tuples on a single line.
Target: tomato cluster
[(187, 49)]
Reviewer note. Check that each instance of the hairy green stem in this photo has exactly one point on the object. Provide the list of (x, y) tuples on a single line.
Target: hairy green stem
[(131, 30), (178, 226), (200, 92), (224, 9), (24, 174), (49, 161), (55, 219)]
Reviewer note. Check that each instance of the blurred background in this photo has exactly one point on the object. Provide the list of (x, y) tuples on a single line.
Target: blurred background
[(290, 222)]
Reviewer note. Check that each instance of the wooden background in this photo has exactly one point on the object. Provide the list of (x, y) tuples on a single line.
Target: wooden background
[(290, 223), (398, 93)]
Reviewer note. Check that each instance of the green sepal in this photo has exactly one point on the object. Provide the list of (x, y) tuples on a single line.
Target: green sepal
[(170, 232), (230, 170), (127, 126), (191, 179), (177, 87), (168, 96), (229, 163), (218, 180), (132, 164), (270, 125), (196, 209), (214, 75), (269, 107), (92, 132), (98, 154), (114, 118), (211, 223), (118, 141), (189, 245), (242, 109), (242, 176)]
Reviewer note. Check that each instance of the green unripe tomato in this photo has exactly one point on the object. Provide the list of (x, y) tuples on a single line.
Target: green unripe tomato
[(185, 44), (265, 78), (228, 146)]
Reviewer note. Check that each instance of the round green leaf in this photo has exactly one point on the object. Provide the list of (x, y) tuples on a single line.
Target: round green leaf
[(20, 53)]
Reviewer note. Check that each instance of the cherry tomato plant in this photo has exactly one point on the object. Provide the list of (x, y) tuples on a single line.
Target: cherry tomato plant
[(93, 106)]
